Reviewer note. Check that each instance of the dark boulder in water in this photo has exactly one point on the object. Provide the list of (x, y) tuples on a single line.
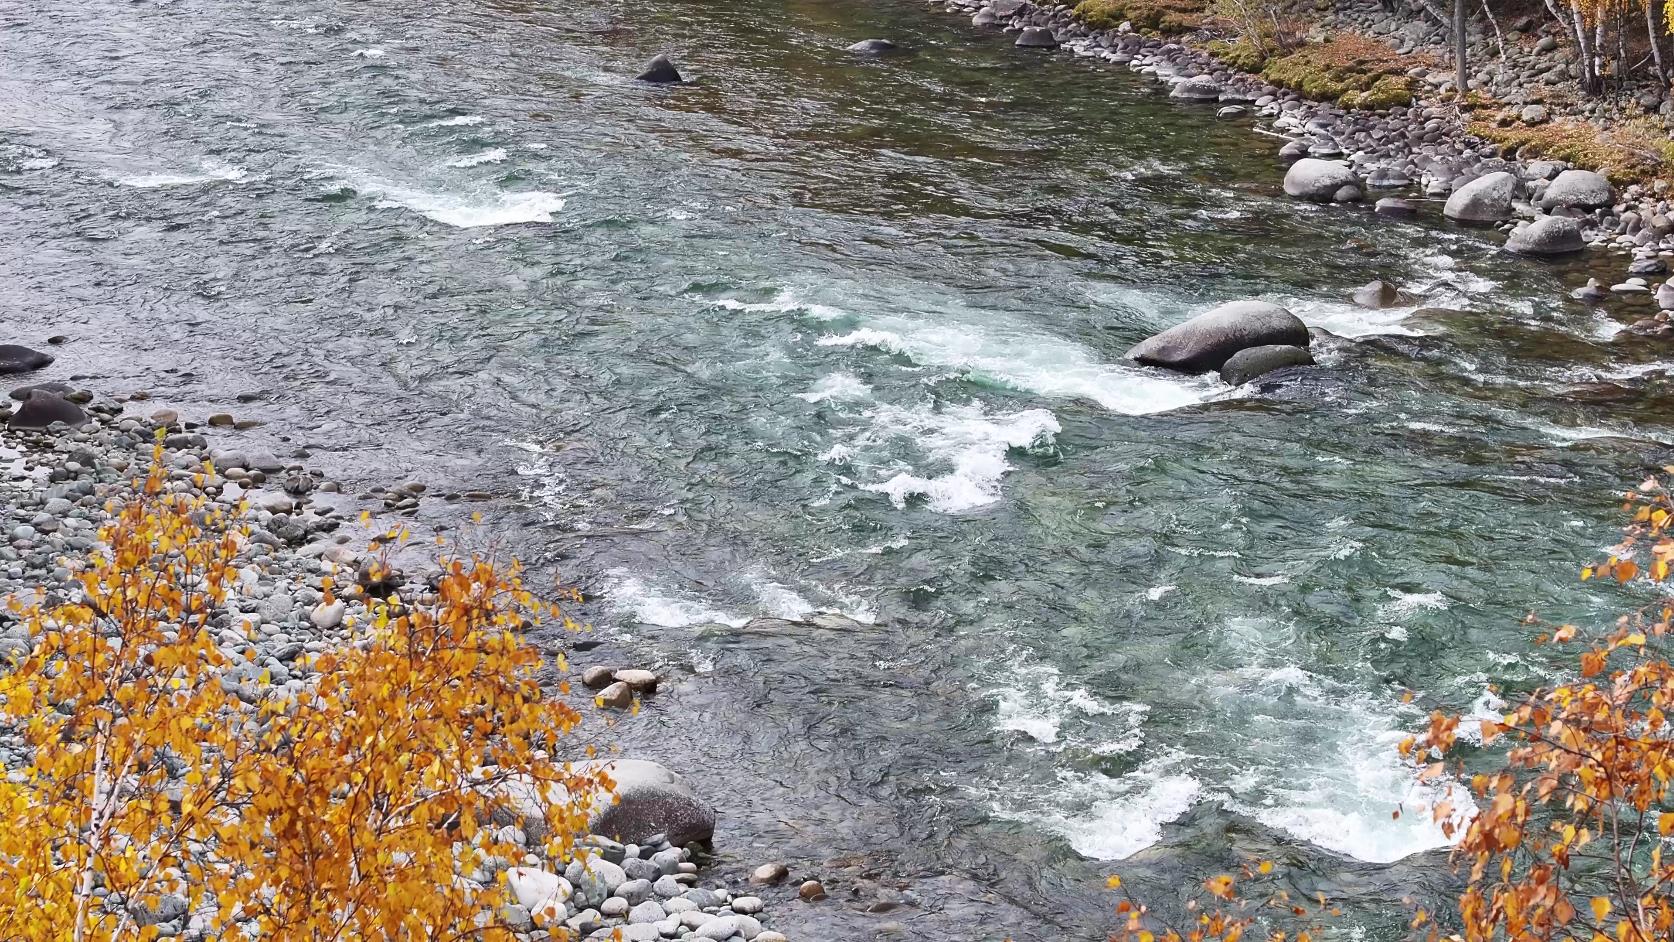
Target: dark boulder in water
[(1208, 340), (873, 47), (660, 71), (1037, 37), (43, 408), (1377, 295), (1251, 362), (16, 359)]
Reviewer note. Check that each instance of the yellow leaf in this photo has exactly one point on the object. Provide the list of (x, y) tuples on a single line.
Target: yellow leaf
[(1115, 881), (1266, 866), (1665, 823), (1601, 907)]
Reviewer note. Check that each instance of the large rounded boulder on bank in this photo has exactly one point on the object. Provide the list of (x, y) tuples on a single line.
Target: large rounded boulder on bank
[(650, 800), (1319, 180), (16, 359), (1037, 37), (43, 408), (1485, 199), (1251, 362), (1577, 189), (1208, 340), (1546, 236)]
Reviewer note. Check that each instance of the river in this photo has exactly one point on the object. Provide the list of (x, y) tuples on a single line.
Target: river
[(821, 333)]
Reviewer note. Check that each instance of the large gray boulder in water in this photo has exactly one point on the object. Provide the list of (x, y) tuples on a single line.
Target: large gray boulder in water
[(1485, 199), (1251, 362), (16, 359), (1578, 189), (43, 408), (660, 71), (650, 800), (1208, 340), (1037, 37), (1319, 180), (1548, 235)]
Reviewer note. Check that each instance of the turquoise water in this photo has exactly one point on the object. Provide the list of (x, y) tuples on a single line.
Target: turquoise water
[(825, 334)]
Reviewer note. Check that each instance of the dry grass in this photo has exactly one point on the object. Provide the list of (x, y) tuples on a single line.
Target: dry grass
[(1156, 16), (1352, 70), (1629, 151)]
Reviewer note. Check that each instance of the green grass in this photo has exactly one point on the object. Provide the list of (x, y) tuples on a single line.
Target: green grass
[(1351, 70)]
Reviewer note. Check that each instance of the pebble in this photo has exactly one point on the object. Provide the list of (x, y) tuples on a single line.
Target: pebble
[(811, 891), (769, 873)]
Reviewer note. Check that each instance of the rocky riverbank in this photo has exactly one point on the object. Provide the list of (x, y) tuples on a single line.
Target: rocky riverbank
[(70, 456), (1413, 160)]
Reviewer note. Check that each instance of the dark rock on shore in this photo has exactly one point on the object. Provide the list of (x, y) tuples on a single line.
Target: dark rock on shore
[(660, 71), (1548, 235), (1037, 37), (1208, 340), (16, 359), (652, 801), (873, 47), (1251, 362), (43, 408), (1320, 180), (1485, 199)]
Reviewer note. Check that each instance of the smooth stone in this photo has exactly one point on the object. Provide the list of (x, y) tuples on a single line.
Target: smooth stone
[(668, 887), (1592, 292), (538, 891), (617, 696), (639, 681), (1036, 37), (1547, 236), (1648, 266), (1394, 206), (1248, 364), (1665, 296), (1578, 189), (1485, 199), (1206, 341), (811, 891), (640, 869), (635, 891), (1231, 111), (660, 71), (1534, 114), (1377, 295), (769, 873), (984, 17), (58, 389), (42, 409), (326, 617), (1295, 150), (872, 47), (748, 905), (16, 359), (651, 800), (648, 911), (598, 677), (595, 880), (1196, 89), (1318, 180), (614, 907), (1348, 194), (725, 927)]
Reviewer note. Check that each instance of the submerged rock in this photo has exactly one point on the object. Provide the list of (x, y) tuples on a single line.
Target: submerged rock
[(16, 359), (1485, 199), (1319, 180), (1197, 89), (43, 408), (1592, 292), (1377, 295), (651, 800), (873, 47), (1578, 189), (1037, 37), (1548, 235), (1251, 362), (1208, 340), (660, 71), (1394, 206)]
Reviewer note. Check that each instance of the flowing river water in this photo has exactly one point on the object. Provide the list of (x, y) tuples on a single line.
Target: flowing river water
[(827, 334)]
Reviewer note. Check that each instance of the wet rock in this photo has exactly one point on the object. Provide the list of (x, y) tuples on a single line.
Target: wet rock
[(1377, 295), (1578, 189), (1318, 180), (1388, 178), (1252, 362), (1037, 37), (1394, 206), (16, 359), (651, 800), (1206, 341), (873, 47), (61, 389), (1648, 266), (1196, 89), (43, 408), (1232, 111), (1295, 150), (1485, 199), (811, 891), (769, 873), (1592, 292), (660, 71), (1348, 194), (1665, 296), (598, 677), (617, 696), (639, 681), (1547, 236), (984, 17)]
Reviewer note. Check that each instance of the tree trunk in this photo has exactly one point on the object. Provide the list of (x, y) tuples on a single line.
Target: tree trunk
[(1583, 52), (1462, 79), (1656, 41)]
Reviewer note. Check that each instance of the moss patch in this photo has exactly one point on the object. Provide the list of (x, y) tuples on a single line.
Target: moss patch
[(1627, 152), (1157, 16), (1353, 71), (1239, 55)]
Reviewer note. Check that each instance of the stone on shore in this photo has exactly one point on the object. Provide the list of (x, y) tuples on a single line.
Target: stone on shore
[(1197, 89), (594, 880), (16, 359), (43, 408), (769, 873), (651, 800), (1208, 340), (1252, 362), (1037, 37), (1577, 189), (1319, 180), (1485, 199), (1547, 236), (540, 892), (661, 71), (872, 47), (984, 17)]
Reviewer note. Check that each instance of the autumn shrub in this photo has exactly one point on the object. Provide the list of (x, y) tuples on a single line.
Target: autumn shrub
[(1351, 70), (1627, 151), (359, 803), (1155, 16)]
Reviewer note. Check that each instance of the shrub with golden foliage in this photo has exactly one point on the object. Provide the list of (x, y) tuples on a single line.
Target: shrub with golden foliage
[(1628, 151), (1228, 908), (345, 808)]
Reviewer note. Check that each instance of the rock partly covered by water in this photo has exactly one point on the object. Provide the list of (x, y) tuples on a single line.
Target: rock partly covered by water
[(1251, 362), (1208, 340), (43, 408), (660, 71), (1548, 235), (1037, 37), (1322, 181), (872, 47), (16, 359), (1485, 199)]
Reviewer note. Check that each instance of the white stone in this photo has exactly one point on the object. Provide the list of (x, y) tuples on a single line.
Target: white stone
[(543, 894)]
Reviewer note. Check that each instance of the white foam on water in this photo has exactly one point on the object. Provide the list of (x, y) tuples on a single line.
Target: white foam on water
[(1156, 592), (1032, 362), (1035, 700), (1637, 370), (1351, 320), (836, 387), (1406, 603), (462, 121), (785, 302), (458, 209), (647, 605), (778, 600), (492, 156), (368, 53), (1444, 270), (973, 443), (1263, 580), (1103, 816), (212, 170)]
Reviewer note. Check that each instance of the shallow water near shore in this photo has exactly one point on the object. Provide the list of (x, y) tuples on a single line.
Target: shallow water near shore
[(828, 334)]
